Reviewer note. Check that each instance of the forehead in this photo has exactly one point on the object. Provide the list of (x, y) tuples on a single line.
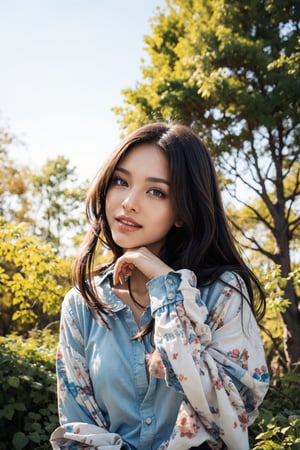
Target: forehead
[(146, 158)]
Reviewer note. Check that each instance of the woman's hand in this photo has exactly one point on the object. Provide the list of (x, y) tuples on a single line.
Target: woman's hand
[(143, 260)]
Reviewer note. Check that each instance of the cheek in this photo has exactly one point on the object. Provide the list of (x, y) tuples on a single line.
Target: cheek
[(108, 202), (108, 211), (166, 221)]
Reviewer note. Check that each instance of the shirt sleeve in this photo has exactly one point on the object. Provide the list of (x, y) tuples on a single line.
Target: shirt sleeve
[(212, 352), (81, 420)]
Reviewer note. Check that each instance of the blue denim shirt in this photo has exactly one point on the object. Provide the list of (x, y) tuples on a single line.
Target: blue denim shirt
[(139, 407), (215, 375)]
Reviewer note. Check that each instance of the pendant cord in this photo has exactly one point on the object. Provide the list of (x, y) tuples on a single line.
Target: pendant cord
[(132, 296)]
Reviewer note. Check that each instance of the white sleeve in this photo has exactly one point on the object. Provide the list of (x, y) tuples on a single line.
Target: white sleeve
[(215, 357)]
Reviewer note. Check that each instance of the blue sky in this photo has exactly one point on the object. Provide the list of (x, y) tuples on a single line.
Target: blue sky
[(63, 66)]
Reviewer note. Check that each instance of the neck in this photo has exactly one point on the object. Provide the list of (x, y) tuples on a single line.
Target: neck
[(139, 297), (138, 283)]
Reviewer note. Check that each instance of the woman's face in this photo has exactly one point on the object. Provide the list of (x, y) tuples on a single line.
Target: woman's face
[(139, 206)]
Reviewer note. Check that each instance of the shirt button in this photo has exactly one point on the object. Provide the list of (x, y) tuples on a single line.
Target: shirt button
[(148, 421), (169, 281), (171, 296)]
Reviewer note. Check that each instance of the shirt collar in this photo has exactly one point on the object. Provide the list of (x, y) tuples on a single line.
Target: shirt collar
[(103, 283)]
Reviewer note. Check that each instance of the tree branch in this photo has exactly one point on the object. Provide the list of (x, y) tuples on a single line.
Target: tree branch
[(290, 165), (294, 194), (258, 248), (259, 217), (293, 225)]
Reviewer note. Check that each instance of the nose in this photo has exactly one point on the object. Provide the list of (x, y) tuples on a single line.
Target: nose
[(130, 202)]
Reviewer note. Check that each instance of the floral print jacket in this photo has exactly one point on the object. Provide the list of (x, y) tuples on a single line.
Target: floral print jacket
[(207, 349)]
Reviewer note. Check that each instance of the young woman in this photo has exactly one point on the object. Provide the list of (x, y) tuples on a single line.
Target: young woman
[(159, 349)]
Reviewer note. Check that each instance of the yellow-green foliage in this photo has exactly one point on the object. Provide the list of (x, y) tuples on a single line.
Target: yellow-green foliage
[(32, 277), (272, 325), (274, 285)]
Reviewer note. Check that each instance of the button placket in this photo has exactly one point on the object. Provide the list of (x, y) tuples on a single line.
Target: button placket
[(170, 288)]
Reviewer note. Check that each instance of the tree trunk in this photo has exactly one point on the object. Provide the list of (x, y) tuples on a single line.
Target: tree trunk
[(291, 319)]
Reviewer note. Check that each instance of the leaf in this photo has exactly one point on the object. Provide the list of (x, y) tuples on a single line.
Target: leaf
[(13, 381), (35, 437), (294, 421), (20, 440), (20, 406), (8, 411), (285, 430), (36, 385)]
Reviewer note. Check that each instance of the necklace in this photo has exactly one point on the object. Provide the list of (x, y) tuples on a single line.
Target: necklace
[(135, 302)]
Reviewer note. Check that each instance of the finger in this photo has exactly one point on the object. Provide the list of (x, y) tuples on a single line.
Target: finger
[(122, 268), (122, 272)]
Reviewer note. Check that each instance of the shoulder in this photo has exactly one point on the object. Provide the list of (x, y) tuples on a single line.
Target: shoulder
[(226, 280), (231, 278), (75, 305), (72, 298), (229, 286), (74, 308)]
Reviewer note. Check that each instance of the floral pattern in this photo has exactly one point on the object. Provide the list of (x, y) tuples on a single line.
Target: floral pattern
[(202, 351)]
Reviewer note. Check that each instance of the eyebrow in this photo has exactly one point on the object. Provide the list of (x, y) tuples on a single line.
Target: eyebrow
[(154, 179)]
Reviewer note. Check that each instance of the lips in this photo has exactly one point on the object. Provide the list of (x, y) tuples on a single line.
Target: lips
[(128, 223)]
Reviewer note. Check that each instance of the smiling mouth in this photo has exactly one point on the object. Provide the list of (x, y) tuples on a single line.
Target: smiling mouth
[(128, 223)]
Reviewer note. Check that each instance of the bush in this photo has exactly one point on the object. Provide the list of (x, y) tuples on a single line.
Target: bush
[(33, 280), (28, 408), (278, 424), (28, 404)]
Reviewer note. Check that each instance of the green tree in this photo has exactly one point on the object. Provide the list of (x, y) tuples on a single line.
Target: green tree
[(14, 183), (60, 201), (230, 70)]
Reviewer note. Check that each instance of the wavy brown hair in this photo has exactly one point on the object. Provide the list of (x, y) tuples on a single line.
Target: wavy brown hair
[(204, 242)]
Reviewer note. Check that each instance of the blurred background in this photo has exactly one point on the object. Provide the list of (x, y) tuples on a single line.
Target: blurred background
[(75, 76), (63, 66)]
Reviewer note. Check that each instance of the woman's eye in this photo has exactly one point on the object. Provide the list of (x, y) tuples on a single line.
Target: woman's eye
[(157, 193), (118, 181)]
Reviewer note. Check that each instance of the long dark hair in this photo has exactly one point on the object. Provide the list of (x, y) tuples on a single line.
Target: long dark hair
[(203, 243)]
